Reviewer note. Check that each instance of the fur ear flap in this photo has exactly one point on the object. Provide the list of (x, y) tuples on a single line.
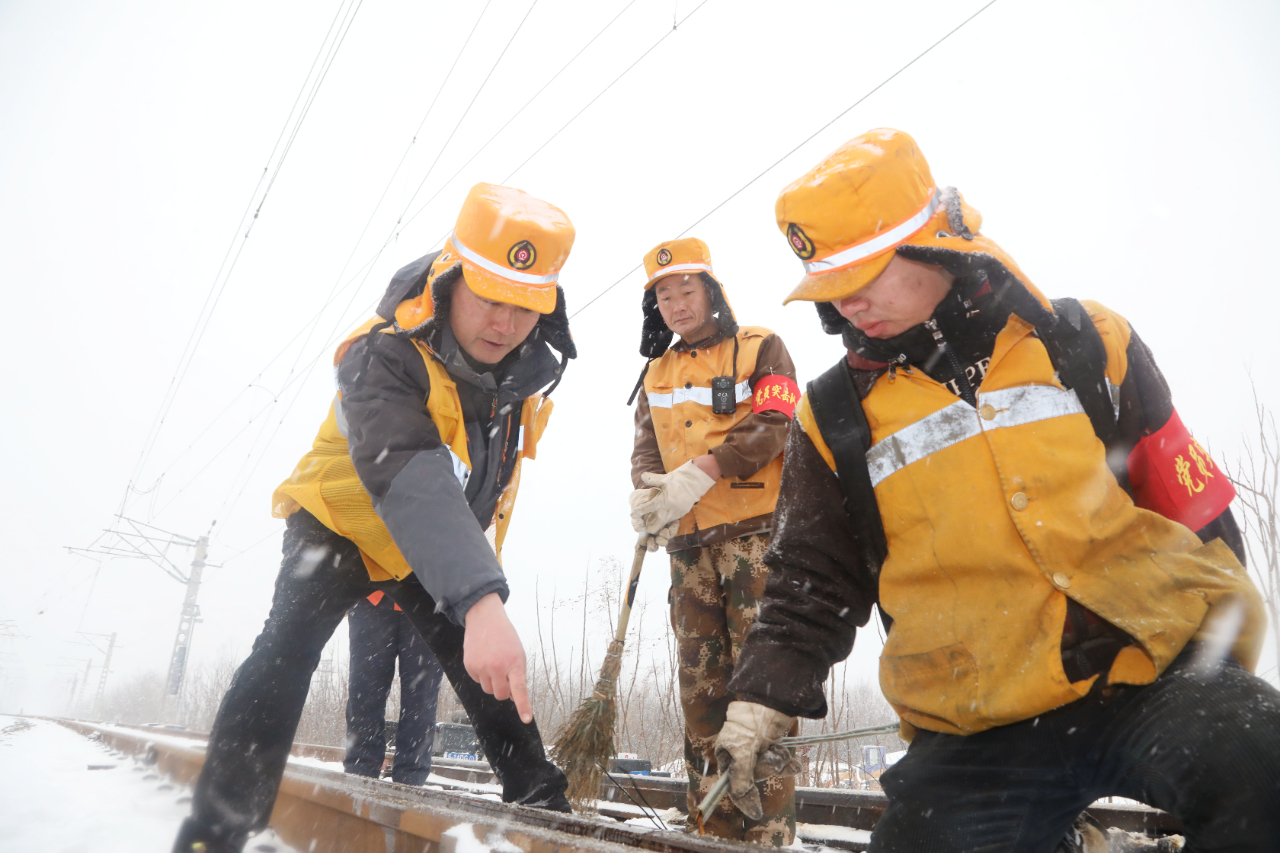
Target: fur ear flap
[(441, 297), (407, 283), (555, 327), (655, 337), (950, 199), (832, 322), (726, 322)]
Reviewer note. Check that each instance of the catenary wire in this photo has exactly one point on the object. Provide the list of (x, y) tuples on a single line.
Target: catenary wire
[(229, 503), (463, 117), (526, 160), (803, 143), (309, 327), (652, 48), (306, 109), (705, 216), (160, 413), (218, 285), (518, 112)]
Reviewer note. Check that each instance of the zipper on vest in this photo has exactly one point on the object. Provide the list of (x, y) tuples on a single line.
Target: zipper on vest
[(962, 379)]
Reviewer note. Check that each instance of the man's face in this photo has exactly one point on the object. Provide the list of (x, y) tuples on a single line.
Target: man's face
[(901, 297), (684, 305), (487, 330)]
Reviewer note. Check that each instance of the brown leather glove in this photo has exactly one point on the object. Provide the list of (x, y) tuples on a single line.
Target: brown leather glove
[(748, 750)]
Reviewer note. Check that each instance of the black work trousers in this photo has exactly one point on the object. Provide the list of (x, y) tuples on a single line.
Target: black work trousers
[(381, 636), (321, 577), (1202, 742)]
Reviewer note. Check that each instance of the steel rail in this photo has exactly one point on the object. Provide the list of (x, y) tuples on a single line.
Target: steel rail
[(352, 813), (323, 811)]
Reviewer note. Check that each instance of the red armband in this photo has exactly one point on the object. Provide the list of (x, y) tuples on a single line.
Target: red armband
[(776, 394), (1173, 475)]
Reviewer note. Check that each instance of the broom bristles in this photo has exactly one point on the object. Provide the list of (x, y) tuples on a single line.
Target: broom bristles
[(585, 744)]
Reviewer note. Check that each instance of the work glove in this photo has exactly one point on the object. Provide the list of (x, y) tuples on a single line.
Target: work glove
[(655, 540), (670, 498), (748, 750)]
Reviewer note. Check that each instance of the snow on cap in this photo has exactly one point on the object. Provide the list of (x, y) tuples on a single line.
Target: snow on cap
[(845, 216), (512, 246), (689, 255)]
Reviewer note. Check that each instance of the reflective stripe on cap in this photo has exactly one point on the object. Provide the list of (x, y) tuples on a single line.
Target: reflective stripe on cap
[(498, 269), (887, 240), (665, 271)]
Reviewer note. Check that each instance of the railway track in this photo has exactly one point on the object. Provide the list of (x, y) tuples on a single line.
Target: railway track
[(322, 810)]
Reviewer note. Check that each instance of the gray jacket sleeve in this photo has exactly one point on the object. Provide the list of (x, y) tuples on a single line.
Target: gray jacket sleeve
[(410, 474)]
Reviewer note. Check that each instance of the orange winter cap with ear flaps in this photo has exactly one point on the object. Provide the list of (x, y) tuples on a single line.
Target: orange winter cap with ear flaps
[(671, 257), (845, 217), (511, 246)]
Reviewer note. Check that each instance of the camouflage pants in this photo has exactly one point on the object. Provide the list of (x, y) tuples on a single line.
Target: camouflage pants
[(715, 594)]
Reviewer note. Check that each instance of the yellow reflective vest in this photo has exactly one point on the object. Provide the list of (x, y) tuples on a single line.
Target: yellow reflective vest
[(325, 482), (678, 389), (996, 516)]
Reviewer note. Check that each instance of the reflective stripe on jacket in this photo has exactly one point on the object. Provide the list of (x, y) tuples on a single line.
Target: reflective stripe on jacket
[(995, 516), (678, 389), (326, 484)]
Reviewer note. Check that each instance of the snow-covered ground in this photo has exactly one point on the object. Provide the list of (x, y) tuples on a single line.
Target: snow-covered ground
[(53, 802)]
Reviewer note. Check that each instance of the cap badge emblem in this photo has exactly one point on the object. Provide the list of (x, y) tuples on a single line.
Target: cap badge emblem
[(800, 242), (664, 257), (522, 255)]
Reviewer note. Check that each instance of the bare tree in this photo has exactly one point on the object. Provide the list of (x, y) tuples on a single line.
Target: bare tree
[(1256, 476)]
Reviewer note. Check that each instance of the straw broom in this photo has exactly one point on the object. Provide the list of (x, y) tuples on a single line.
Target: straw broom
[(585, 744)]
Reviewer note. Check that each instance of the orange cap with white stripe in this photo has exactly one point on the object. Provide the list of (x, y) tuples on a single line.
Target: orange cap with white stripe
[(511, 245), (844, 217), (688, 255)]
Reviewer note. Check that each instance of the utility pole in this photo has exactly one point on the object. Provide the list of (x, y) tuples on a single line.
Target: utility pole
[(145, 541), (186, 627), (88, 665), (106, 668), (102, 682)]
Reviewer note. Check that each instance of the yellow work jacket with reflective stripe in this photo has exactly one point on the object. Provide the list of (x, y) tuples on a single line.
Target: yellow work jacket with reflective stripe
[(678, 389), (995, 516), (325, 482)]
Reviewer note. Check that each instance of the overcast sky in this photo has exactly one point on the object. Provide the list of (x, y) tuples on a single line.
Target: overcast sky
[(1124, 152)]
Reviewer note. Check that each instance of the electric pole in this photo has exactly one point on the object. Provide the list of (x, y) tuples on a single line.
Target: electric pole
[(106, 667), (102, 682), (145, 541), (186, 627), (88, 665)]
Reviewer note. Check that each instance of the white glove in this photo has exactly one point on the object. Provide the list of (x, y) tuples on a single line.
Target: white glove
[(671, 497), (748, 750), (655, 540)]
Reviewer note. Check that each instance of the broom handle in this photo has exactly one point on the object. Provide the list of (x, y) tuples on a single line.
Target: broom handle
[(642, 547)]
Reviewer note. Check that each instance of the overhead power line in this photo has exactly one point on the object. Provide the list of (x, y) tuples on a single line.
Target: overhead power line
[(575, 116), (802, 143), (366, 267), (612, 82), (316, 74)]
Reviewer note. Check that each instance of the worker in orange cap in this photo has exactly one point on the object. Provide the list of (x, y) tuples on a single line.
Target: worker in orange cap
[(710, 428), (1052, 554), (408, 490)]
